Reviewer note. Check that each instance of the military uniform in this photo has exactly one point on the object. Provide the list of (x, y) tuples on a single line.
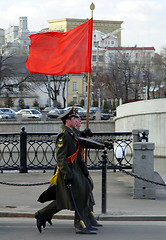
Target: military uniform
[(88, 212), (71, 169)]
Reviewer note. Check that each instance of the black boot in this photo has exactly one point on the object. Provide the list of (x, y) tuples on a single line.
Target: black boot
[(90, 227), (96, 224), (84, 231), (40, 222), (49, 221)]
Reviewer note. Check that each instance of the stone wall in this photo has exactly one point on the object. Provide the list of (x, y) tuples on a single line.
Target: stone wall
[(52, 126), (148, 114)]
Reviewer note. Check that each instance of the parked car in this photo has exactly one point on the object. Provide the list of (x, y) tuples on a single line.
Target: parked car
[(47, 109), (10, 112), (37, 108), (61, 111), (4, 115), (93, 110), (54, 113), (103, 116), (82, 113), (36, 112), (29, 114)]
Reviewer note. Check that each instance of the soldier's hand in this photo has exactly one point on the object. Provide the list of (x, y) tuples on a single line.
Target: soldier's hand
[(108, 145), (87, 133), (68, 182)]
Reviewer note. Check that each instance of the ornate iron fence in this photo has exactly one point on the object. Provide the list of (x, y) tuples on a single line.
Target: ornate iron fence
[(36, 151)]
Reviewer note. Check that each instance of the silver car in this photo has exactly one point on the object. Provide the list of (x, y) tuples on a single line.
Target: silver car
[(29, 114)]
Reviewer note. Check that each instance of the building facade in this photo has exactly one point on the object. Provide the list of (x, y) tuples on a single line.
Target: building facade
[(106, 43), (105, 26), (136, 54)]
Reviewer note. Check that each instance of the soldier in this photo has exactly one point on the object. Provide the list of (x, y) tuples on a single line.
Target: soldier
[(86, 143), (91, 219), (71, 171)]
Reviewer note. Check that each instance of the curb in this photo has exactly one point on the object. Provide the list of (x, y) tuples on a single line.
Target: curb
[(101, 217)]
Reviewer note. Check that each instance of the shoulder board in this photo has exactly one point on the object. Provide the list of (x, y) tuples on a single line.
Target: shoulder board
[(60, 142)]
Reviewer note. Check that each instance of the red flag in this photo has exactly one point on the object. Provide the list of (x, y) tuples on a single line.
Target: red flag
[(55, 53)]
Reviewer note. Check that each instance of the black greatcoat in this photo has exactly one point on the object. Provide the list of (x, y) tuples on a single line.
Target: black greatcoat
[(77, 172)]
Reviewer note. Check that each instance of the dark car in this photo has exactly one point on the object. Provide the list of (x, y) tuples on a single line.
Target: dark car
[(10, 112), (105, 116)]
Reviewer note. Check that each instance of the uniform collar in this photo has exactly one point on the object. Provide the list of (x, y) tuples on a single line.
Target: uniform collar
[(71, 132)]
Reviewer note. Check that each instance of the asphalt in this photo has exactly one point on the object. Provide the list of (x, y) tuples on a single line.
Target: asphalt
[(21, 201)]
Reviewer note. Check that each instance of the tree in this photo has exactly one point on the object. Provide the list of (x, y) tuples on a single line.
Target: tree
[(106, 106), (52, 86), (14, 77), (21, 103), (163, 59), (6, 71), (35, 103), (82, 102), (8, 101)]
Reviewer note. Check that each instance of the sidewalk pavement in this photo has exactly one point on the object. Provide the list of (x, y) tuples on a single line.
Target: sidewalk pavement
[(21, 201)]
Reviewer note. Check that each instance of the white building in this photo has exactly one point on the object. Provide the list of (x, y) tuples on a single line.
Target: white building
[(16, 38), (100, 43), (135, 54), (15, 41), (103, 40)]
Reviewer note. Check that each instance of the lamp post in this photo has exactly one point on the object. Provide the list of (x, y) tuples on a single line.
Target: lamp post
[(49, 90), (99, 97)]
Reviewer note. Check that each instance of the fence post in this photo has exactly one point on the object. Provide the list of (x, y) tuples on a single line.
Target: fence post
[(104, 180), (144, 168), (23, 151)]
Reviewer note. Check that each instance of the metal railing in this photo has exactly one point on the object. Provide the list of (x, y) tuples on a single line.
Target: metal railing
[(36, 151)]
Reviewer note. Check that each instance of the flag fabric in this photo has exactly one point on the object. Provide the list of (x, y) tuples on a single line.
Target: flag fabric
[(56, 53)]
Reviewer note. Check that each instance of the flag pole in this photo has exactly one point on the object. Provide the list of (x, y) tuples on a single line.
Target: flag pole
[(92, 7)]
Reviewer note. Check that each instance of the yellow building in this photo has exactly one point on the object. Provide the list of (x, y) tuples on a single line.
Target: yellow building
[(76, 90)]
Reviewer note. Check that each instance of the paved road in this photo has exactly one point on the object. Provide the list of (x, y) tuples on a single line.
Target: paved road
[(25, 229)]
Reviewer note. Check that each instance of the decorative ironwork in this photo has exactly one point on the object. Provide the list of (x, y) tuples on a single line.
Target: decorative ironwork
[(120, 155), (40, 151), (9, 151)]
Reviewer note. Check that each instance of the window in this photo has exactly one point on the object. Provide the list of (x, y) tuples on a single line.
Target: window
[(101, 58), (94, 58), (74, 86), (74, 100), (127, 55)]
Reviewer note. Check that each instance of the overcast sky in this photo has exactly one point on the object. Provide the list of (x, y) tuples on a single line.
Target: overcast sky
[(144, 21)]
